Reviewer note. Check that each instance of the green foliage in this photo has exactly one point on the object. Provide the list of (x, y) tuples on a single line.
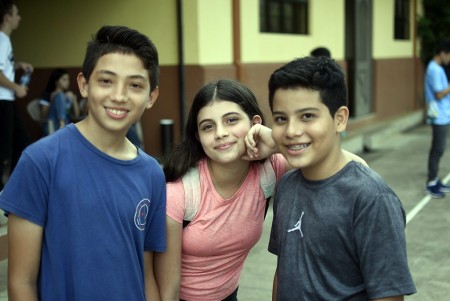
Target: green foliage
[(433, 26)]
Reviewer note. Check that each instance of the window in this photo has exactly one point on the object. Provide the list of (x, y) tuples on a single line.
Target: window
[(284, 16), (401, 20)]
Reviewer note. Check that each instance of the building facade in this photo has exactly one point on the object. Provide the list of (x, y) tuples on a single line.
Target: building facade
[(203, 40)]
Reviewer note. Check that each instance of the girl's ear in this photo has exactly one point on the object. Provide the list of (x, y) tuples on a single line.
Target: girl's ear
[(256, 120)]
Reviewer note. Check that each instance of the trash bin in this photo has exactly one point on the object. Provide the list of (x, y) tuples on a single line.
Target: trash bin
[(166, 126)]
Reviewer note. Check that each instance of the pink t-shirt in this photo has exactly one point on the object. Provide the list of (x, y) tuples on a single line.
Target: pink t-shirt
[(219, 238)]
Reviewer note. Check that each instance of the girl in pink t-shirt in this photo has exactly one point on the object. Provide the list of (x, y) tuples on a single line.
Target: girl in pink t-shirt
[(204, 260)]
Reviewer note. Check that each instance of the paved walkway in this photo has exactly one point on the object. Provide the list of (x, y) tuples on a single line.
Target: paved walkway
[(402, 162)]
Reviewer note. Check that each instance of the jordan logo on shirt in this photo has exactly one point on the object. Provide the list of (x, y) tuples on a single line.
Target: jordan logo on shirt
[(298, 225)]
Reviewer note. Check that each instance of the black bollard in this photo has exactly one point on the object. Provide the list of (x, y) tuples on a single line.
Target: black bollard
[(166, 134)]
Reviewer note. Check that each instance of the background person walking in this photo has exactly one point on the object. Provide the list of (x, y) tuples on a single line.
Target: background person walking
[(437, 96), (13, 135)]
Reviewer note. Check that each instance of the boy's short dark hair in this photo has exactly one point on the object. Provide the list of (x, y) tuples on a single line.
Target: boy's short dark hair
[(6, 7), (321, 74), (320, 51), (121, 39), (444, 46)]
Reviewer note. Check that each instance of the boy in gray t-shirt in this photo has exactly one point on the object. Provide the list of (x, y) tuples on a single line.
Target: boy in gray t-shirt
[(338, 229)]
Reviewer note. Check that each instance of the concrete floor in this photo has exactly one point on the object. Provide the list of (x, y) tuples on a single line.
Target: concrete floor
[(401, 160)]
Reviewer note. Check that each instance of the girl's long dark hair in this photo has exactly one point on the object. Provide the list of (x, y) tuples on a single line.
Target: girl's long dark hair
[(189, 151), (52, 80)]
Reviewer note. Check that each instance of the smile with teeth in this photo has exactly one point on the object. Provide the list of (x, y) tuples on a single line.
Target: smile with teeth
[(297, 147), (117, 112)]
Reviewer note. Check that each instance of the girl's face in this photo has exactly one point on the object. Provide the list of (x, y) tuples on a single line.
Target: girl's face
[(222, 126), (63, 82)]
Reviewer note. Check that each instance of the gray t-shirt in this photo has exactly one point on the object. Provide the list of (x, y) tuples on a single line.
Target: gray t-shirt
[(342, 238)]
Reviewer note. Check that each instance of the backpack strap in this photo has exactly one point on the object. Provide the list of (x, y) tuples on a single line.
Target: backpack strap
[(192, 192), (267, 181)]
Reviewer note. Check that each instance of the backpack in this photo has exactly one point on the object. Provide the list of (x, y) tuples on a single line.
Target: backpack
[(192, 192)]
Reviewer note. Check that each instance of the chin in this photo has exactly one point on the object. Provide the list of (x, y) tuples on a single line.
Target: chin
[(297, 163)]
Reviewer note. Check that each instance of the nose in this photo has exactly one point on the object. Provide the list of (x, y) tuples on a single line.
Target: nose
[(294, 129), (120, 94), (221, 131)]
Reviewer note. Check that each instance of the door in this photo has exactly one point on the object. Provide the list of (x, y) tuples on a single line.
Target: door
[(358, 53)]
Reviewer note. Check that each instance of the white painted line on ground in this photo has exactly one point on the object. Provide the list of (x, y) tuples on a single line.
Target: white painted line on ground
[(422, 203)]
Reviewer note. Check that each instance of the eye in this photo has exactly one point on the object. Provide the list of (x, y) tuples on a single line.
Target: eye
[(279, 119), (104, 81), (232, 120), (308, 116), (137, 86), (206, 127)]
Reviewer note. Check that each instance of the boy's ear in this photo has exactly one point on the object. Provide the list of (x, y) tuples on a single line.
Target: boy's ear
[(256, 120), (152, 97), (82, 85), (341, 119)]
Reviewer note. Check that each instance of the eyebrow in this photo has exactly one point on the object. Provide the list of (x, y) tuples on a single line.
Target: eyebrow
[(223, 116), (108, 72), (298, 111)]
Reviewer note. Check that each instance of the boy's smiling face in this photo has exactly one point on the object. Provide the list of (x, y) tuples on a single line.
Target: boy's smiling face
[(118, 92), (305, 132)]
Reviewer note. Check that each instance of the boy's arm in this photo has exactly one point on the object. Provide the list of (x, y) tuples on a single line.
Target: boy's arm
[(168, 264), (354, 157), (24, 257), (24, 66), (260, 145), (439, 95), (19, 90), (274, 287), (151, 288)]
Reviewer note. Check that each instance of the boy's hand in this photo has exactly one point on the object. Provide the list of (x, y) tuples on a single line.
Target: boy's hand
[(25, 67), (20, 91), (259, 143)]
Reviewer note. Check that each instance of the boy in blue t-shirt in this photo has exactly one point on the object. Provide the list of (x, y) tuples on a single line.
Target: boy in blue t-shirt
[(338, 230), (86, 207)]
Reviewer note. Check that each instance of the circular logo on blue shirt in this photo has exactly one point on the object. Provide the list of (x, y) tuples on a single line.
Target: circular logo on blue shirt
[(140, 217)]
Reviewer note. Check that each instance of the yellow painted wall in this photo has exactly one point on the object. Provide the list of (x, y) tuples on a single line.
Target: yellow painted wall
[(55, 33), (326, 29), (214, 31), (384, 45)]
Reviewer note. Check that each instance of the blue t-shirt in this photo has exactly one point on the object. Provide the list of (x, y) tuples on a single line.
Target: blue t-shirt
[(99, 214), (436, 81)]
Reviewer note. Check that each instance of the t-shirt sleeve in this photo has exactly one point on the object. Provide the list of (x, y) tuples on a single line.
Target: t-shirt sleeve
[(156, 234), (26, 192), (279, 165), (438, 83), (3, 53), (176, 205), (381, 247)]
